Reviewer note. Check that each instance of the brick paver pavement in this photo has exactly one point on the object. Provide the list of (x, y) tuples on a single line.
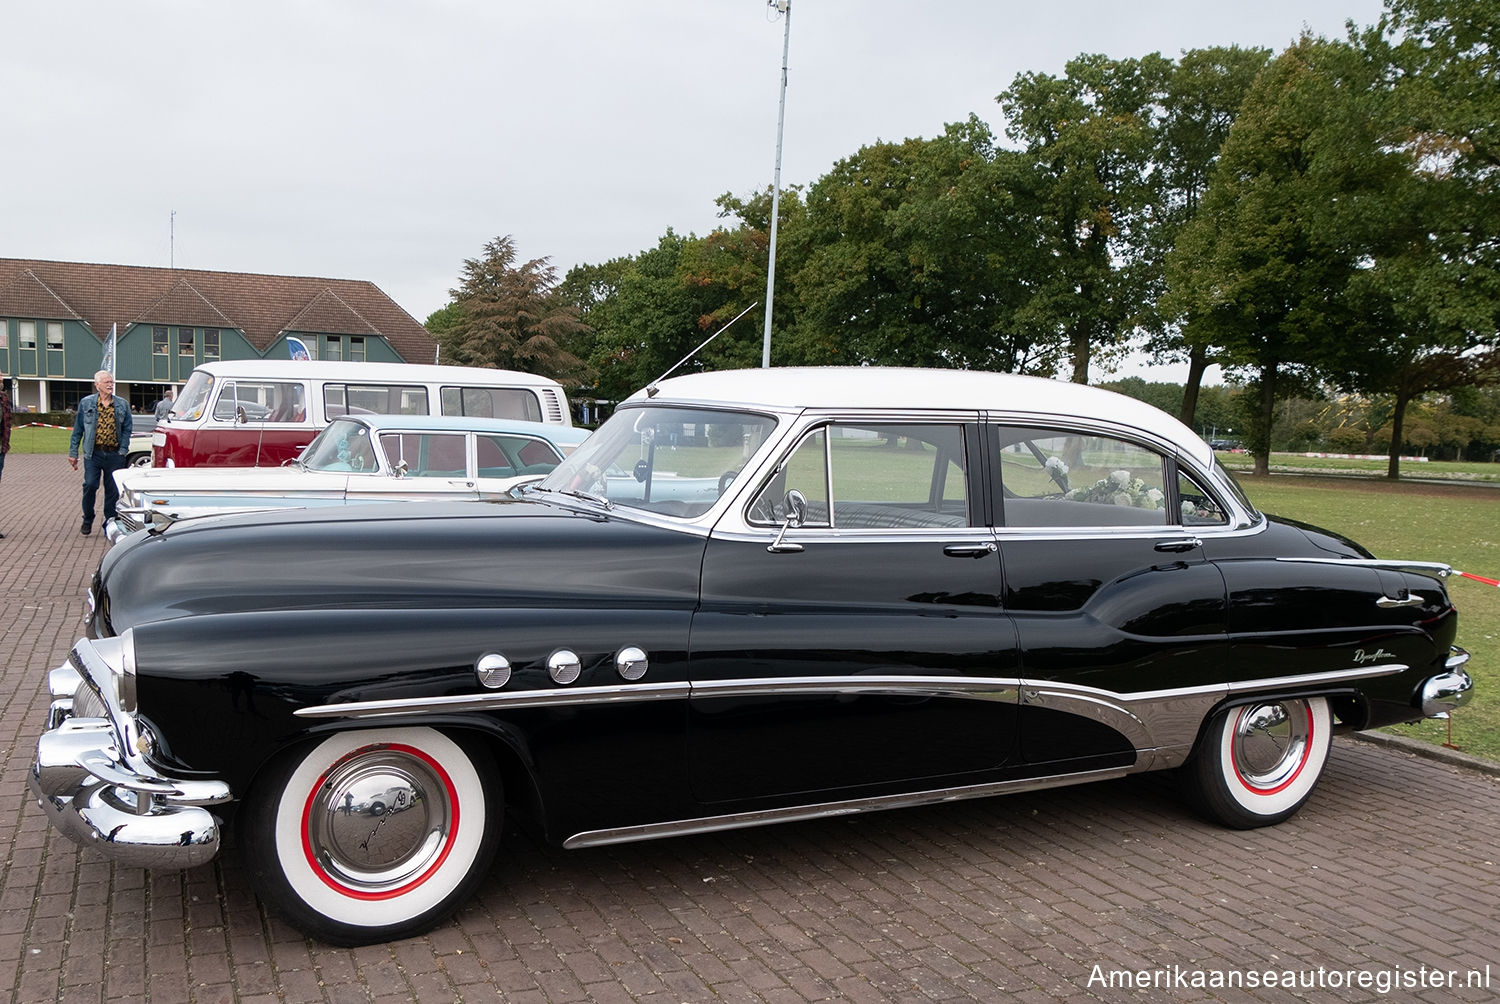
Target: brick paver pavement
[(1392, 867)]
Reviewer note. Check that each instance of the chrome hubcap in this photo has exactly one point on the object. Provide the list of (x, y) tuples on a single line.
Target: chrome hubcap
[(380, 820), (1270, 742)]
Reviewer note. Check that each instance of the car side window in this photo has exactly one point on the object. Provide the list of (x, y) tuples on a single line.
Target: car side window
[(493, 455), (426, 455), (1059, 479), (262, 401), (1199, 508), (877, 476)]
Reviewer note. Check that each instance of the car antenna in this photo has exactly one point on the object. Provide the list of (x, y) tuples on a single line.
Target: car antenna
[(652, 389)]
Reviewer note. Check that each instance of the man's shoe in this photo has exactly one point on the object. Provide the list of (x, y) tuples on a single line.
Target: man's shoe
[(86, 529)]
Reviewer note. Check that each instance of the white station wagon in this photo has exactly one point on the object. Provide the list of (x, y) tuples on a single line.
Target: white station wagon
[(358, 458)]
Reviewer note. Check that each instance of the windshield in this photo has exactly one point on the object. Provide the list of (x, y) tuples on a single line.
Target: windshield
[(668, 460), (194, 396), (344, 446)]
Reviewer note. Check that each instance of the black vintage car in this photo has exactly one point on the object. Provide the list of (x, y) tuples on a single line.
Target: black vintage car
[(750, 597)]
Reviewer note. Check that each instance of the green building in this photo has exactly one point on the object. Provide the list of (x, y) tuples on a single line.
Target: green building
[(55, 317)]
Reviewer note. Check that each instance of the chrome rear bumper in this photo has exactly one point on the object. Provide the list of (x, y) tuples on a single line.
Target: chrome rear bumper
[(1450, 690)]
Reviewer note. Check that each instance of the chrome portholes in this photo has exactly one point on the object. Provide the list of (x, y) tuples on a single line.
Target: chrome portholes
[(493, 670), (631, 663), (1270, 744), (379, 821), (564, 666)]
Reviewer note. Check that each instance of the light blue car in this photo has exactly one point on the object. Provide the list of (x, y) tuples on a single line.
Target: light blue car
[(357, 458)]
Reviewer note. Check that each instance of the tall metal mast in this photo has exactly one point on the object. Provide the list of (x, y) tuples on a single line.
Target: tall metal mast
[(785, 8)]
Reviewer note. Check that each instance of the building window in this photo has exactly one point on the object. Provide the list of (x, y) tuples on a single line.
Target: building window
[(26, 334), (4, 333), (185, 341), (210, 343), (356, 348), (335, 348), (160, 341), (54, 336), (65, 394)]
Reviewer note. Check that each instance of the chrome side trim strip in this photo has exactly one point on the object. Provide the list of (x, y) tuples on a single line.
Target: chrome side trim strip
[(1436, 569), (1162, 720), (492, 701), (978, 688), (1166, 722), (823, 810)]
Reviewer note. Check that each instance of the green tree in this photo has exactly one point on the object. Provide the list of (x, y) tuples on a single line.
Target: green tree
[(1430, 235), (1261, 269), (444, 319), (510, 318), (647, 315), (1090, 136), (915, 253), (1202, 96)]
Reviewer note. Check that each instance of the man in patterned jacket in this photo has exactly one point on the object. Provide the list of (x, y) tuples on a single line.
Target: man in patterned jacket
[(102, 428)]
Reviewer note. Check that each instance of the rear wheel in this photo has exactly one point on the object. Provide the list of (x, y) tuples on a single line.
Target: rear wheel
[(1260, 762), (348, 875), (138, 459)]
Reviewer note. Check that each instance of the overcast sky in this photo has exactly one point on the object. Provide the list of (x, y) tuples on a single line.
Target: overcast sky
[(384, 140)]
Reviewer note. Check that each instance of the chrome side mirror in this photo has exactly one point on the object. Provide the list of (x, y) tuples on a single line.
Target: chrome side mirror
[(400, 469), (240, 418), (796, 508), (796, 516)]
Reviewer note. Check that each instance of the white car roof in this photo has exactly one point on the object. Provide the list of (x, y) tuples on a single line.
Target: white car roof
[(875, 387)]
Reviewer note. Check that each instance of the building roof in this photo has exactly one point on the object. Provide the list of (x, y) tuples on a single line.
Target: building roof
[(261, 306)]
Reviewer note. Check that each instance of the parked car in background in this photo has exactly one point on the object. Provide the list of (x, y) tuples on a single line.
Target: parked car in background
[(359, 458), (750, 597), (141, 428), (262, 412)]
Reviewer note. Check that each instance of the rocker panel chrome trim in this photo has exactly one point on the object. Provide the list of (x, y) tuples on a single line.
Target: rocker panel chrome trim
[(823, 810)]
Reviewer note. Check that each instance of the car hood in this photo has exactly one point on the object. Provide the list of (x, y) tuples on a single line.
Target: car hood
[(432, 555)]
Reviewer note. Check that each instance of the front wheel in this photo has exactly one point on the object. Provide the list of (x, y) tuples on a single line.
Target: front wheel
[(1260, 762), (348, 875)]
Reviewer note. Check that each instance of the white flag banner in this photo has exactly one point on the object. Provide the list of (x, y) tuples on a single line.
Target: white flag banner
[(108, 362)]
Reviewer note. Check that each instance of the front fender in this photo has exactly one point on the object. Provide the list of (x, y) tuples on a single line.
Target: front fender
[(221, 692)]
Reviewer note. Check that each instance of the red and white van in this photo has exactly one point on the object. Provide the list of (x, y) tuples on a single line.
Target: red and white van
[(261, 412)]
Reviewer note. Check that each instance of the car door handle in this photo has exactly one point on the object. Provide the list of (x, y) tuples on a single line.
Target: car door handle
[(1178, 545), (971, 550), (1391, 602)]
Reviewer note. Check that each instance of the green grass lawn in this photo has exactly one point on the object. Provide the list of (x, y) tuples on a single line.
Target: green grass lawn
[(1456, 524), (38, 440), (1296, 463)]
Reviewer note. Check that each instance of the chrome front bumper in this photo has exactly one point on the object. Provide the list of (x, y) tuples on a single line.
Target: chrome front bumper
[(101, 794), (1450, 690)]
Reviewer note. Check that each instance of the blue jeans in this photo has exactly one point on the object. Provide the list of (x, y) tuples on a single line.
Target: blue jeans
[(101, 466)]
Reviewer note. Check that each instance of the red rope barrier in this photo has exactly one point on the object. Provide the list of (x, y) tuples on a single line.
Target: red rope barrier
[(1478, 578)]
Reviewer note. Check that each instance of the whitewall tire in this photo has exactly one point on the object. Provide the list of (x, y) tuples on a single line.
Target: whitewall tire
[(1258, 763), (373, 835)]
